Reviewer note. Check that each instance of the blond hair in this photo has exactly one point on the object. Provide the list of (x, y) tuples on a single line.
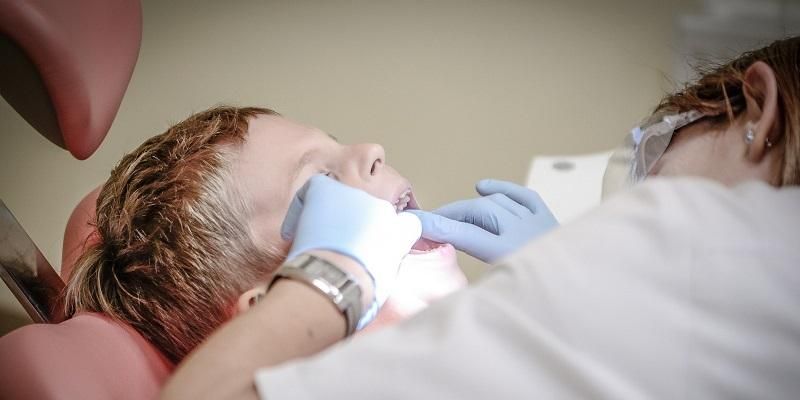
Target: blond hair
[(174, 249)]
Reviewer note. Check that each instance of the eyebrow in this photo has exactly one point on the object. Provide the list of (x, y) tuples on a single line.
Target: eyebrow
[(335, 139)]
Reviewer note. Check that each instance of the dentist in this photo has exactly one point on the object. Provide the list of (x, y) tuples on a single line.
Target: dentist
[(644, 298)]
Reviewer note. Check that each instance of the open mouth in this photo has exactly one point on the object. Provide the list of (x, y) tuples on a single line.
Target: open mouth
[(405, 201)]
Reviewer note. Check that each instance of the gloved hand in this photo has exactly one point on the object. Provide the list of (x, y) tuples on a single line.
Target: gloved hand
[(489, 227), (328, 215)]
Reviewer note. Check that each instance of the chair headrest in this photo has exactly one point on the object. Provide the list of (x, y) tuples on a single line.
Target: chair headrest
[(89, 356), (80, 233), (65, 65)]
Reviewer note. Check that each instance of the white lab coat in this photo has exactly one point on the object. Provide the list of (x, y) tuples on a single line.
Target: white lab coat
[(678, 289)]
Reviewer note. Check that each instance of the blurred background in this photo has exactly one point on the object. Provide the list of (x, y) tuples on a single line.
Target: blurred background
[(455, 91)]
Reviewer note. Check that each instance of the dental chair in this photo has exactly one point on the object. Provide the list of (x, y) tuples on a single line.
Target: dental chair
[(570, 185), (64, 67)]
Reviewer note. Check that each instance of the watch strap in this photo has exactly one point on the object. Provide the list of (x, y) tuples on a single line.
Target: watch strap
[(333, 282)]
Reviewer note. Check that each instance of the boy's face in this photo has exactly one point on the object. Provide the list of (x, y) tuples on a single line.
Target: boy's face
[(280, 155)]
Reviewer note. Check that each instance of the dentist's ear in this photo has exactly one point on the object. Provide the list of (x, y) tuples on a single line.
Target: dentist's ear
[(761, 94), (250, 298)]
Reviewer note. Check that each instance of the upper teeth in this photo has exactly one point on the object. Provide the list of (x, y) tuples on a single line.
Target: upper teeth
[(402, 202)]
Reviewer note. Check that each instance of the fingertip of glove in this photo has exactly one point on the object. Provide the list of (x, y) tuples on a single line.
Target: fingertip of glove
[(486, 186), (483, 183), (286, 233), (420, 214), (412, 219), (427, 220), (317, 182)]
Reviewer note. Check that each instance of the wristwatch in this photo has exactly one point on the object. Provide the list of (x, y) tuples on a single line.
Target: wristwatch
[(335, 283)]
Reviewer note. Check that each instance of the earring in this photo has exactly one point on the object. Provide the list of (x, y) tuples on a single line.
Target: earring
[(750, 135)]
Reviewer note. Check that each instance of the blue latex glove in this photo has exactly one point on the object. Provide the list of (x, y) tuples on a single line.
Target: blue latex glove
[(328, 215), (492, 226)]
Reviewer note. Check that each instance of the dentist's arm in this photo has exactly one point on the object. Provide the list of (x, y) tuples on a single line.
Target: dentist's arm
[(356, 232), (291, 321), (503, 219)]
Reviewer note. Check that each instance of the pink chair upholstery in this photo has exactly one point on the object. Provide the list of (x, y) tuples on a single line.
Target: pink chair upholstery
[(65, 65), (79, 233), (86, 357)]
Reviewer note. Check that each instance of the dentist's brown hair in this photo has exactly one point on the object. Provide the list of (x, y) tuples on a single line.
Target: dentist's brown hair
[(720, 91)]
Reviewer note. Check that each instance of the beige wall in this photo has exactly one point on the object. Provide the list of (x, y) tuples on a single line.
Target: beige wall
[(455, 90)]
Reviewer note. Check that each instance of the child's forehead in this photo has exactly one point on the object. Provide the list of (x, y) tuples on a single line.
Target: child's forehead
[(281, 130)]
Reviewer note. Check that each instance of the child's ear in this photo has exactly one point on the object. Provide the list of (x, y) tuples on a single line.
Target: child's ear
[(250, 298)]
